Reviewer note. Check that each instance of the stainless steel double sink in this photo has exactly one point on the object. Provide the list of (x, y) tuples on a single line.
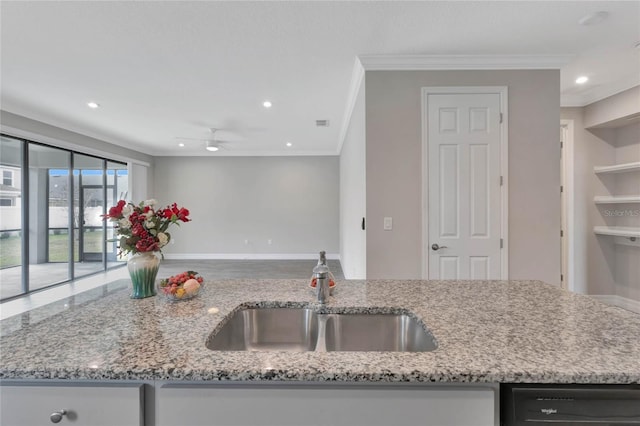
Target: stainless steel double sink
[(302, 329)]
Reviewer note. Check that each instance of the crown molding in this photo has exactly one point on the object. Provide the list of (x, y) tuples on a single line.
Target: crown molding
[(357, 77), (462, 62)]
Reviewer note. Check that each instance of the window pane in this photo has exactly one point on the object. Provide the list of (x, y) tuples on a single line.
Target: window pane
[(117, 189), (10, 218), (59, 208), (48, 216), (89, 204)]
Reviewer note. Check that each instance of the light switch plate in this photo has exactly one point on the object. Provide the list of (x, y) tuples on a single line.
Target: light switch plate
[(388, 223)]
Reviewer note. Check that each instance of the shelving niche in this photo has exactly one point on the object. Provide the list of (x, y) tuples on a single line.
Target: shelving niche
[(622, 219)]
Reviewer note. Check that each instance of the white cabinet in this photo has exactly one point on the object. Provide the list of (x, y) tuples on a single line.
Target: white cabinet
[(320, 404), (31, 404), (234, 404)]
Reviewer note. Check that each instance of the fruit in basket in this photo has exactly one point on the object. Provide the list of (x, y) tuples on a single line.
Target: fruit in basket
[(182, 286), (191, 286)]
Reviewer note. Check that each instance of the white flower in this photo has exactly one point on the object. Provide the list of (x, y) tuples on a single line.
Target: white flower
[(152, 202), (127, 210), (124, 223), (149, 224), (163, 239)]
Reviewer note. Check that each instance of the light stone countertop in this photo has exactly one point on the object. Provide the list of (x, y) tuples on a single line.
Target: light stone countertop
[(487, 331)]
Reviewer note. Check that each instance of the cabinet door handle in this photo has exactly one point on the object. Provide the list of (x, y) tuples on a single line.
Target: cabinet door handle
[(56, 416)]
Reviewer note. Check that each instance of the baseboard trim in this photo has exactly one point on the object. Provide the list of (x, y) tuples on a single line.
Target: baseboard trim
[(615, 300), (248, 256)]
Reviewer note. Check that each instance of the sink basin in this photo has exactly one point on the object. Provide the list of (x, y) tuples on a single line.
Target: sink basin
[(378, 332), (268, 329), (302, 329)]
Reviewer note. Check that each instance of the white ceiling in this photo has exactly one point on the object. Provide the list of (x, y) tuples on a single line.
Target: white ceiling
[(162, 70)]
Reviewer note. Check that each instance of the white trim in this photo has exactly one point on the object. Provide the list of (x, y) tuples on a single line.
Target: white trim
[(81, 149), (619, 301), (248, 256), (357, 77), (568, 170), (463, 62), (503, 91), (617, 168)]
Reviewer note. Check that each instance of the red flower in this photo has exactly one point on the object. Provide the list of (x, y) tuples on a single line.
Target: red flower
[(116, 211), (144, 225), (182, 215)]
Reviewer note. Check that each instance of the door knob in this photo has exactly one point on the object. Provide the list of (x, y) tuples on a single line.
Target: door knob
[(436, 247), (56, 416)]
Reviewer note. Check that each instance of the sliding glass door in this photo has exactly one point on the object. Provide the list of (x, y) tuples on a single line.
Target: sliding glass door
[(11, 212), (51, 206)]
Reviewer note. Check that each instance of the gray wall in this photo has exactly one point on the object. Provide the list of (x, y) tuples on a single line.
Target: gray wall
[(393, 164), (353, 205), (291, 200)]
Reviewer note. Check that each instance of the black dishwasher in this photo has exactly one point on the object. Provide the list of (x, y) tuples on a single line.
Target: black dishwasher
[(569, 405)]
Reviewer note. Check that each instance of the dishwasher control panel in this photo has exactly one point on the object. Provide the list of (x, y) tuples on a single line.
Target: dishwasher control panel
[(570, 405)]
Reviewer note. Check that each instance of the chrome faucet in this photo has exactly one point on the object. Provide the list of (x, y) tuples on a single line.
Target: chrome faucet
[(322, 277)]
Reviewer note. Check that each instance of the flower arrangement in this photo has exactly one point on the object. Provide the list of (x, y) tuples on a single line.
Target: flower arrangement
[(182, 286), (142, 228)]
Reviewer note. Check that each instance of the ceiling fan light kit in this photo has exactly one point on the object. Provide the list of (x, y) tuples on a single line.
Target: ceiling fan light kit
[(212, 146)]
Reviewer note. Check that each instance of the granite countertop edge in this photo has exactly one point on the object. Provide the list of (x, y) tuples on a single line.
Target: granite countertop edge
[(532, 332)]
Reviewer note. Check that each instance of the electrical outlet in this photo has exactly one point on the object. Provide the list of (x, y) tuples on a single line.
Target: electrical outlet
[(388, 223)]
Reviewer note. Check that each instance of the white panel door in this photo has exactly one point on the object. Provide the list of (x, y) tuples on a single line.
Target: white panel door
[(463, 135)]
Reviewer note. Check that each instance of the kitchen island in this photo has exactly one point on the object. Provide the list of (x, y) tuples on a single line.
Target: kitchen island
[(486, 331)]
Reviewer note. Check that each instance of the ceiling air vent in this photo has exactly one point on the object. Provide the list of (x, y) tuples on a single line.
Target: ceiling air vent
[(322, 123)]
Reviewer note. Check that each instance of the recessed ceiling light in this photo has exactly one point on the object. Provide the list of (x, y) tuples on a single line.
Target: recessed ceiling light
[(180, 144), (93, 105), (289, 144), (267, 104), (582, 79), (593, 18)]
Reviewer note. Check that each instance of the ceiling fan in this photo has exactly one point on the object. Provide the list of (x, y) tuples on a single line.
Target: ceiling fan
[(211, 143)]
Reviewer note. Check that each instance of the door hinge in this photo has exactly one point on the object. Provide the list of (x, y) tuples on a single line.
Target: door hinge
[(561, 188), (501, 180), (561, 277), (561, 144), (501, 243), (500, 118), (561, 233)]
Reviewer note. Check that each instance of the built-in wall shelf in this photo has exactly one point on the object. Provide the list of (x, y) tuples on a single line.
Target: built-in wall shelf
[(626, 199), (618, 231), (618, 168)]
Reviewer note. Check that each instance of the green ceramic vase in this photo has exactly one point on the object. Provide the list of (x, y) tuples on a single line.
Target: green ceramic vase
[(143, 269)]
